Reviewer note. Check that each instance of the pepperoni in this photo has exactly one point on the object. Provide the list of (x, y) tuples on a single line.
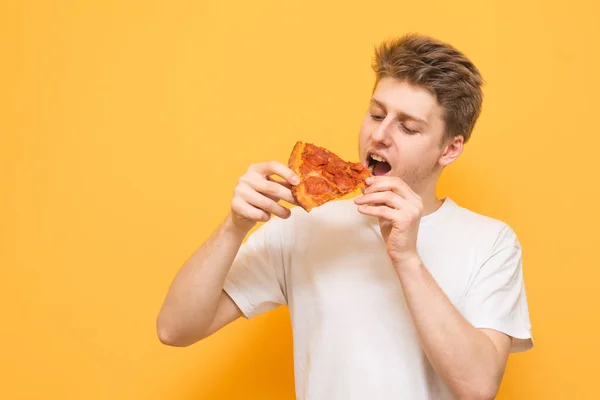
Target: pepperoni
[(316, 186), (326, 176), (315, 156)]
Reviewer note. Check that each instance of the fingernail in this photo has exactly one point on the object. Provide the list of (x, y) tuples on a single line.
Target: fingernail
[(369, 180), (295, 180)]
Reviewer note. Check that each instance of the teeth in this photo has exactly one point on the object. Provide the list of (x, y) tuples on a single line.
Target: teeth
[(377, 158)]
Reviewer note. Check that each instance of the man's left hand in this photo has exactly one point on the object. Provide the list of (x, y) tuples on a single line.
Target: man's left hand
[(399, 211)]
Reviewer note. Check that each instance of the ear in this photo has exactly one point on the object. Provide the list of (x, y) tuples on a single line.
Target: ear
[(452, 148)]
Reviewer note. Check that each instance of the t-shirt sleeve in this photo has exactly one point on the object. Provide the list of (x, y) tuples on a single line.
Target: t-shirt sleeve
[(496, 298), (256, 280)]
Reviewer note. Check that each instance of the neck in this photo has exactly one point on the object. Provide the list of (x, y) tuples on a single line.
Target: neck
[(431, 202)]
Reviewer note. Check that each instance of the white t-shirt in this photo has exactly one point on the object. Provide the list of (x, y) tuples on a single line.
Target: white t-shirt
[(353, 334)]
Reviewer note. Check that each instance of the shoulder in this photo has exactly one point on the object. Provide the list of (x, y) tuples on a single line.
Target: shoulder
[(485, 230)]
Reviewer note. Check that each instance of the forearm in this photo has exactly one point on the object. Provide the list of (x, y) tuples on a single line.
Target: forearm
[(192, 300), (462, 355)]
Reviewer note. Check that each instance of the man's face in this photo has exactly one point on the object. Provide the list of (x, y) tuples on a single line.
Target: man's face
[(404, 127)]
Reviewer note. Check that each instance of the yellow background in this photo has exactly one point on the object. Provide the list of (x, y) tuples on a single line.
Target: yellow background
[(125, 124)]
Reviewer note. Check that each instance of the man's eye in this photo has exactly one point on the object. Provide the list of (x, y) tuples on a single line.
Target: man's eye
[(405, 129), (376, 117)]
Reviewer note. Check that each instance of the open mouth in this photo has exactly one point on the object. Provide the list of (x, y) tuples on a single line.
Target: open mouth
[(378, 165)]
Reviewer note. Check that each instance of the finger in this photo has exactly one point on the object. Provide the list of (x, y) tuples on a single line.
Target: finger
[(384, 212), (262, 202), (393, 184), (382, 183), (275, 190), (294, 202), (282, 183), (389, 199), (275, 199), (291, 199), (277, 168), (245, 210)]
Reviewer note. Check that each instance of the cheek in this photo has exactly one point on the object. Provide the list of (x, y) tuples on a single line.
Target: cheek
[(363, 133), (430, 161), (364, 128), (413, 157)]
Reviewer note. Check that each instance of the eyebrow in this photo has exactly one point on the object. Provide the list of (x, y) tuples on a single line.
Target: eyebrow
[(403, 115)]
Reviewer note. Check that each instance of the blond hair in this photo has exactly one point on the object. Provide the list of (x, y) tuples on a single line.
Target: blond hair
[(440, 68)]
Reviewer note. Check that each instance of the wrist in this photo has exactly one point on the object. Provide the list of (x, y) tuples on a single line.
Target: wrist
[(407, 261), (230, 227)]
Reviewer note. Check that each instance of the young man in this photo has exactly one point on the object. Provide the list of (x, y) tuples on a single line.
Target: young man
[(395, 294)]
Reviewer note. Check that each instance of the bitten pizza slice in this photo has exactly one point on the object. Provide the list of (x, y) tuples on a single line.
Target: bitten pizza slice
[(323, 175)]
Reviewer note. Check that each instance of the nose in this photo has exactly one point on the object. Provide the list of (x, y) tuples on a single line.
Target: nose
[(381, 132)]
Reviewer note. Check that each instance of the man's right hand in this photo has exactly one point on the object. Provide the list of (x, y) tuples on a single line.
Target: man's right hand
[(257, 194)]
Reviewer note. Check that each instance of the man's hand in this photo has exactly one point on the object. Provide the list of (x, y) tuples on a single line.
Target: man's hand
[(196, 304), (399, 210), (257, 194), (470, 361)]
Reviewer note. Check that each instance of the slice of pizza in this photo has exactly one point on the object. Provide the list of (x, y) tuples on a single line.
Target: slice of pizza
[(323, 175)]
